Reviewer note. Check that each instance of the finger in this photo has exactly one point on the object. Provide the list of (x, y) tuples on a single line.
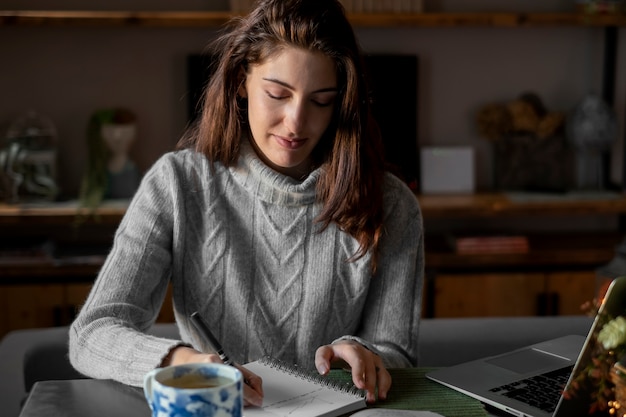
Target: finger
[(251, 396), (323, 356), (371, 379), (368, 371), (364, 377), (383, 381), (252, 387), (198, 357), (358, 360)]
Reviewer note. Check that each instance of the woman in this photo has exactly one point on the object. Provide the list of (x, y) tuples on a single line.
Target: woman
[(276, 222)]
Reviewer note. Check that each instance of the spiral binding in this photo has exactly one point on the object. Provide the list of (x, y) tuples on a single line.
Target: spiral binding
[(282, 366)]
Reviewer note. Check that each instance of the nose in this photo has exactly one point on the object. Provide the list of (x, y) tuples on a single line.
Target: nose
[(295, 117)]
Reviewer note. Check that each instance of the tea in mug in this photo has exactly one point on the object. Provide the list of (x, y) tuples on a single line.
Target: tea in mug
[(195, 381)]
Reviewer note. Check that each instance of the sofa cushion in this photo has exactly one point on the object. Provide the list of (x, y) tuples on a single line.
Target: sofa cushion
[(445, 342)]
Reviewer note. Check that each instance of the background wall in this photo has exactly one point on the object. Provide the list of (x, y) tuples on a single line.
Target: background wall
[(68, 72)]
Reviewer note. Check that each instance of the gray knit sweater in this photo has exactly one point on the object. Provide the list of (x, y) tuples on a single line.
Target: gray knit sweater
[(240, 246)]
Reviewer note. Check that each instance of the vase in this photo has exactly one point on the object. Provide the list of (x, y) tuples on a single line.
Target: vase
[(525, 162)]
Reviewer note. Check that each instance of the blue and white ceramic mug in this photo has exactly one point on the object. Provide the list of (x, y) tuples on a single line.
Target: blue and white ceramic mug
[(195, 390)]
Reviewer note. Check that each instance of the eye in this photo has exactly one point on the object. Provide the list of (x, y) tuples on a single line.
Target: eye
[(276, 95), (324, 100), (325, 103)]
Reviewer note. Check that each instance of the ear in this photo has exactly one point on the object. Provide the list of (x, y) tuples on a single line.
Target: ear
[(241, 91)]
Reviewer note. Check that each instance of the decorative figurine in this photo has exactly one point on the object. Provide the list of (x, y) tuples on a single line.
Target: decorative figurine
[(111, 174)]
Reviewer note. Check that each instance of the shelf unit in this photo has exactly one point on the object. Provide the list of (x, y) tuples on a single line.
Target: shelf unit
[(566, 259), (216, 18), (576, 256), (545, 251)]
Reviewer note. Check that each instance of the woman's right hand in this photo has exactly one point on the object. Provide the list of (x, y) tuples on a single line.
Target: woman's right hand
[(252, 389)]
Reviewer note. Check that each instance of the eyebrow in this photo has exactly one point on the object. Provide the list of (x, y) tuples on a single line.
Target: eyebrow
[(287, 85)]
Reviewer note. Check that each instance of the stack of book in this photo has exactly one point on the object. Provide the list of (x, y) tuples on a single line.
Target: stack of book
[(353, 6)]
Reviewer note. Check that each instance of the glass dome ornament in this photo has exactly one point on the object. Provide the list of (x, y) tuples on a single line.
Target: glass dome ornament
[(591, 128), (29, 154)]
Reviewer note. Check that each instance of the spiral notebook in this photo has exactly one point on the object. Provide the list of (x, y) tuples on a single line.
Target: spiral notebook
[(289, 391)]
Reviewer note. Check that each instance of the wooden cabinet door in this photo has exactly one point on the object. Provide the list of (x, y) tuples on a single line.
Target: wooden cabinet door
[(75, 297), (572, 290), (513, 294), (27, 306), (46, 305), (490, 294)]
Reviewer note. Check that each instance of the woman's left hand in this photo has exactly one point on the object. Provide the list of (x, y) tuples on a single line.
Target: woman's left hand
[(368, 371)]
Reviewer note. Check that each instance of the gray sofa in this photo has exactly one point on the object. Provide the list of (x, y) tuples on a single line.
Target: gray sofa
[(27, 356)]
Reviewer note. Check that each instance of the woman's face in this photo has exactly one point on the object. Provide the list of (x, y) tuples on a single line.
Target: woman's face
[(291, 97)]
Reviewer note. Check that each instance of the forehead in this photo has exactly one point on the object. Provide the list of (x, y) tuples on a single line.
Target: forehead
[(297, 67)]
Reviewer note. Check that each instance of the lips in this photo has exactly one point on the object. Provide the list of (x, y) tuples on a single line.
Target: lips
[(290, 143)]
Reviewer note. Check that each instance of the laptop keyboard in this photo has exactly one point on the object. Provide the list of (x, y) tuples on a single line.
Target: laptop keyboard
[(541, 391)]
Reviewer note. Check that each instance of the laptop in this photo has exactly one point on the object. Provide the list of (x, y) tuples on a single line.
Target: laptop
[(506, 381)]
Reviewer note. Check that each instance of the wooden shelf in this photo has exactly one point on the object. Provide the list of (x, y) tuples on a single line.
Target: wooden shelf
[(433, 206), (217, 18), (520, 204), (112, 18), (60, 213), (487, 19)]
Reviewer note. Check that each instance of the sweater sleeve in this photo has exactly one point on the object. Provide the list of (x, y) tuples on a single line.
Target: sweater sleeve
[(390, 321), (108, 339)]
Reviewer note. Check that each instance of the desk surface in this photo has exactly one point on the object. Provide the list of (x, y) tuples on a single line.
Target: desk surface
[(85, 398), (102, 398)]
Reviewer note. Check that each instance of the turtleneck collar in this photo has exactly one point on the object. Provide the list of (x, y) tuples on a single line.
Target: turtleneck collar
[(269, 185)]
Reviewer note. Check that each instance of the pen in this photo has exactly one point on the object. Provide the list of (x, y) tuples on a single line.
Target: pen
[(204, 330), (202, 327)]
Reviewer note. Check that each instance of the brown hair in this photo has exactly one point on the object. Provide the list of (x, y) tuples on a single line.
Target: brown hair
[(350, 151)]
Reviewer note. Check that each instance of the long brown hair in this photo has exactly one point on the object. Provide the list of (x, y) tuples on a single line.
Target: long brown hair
[(350, 151)]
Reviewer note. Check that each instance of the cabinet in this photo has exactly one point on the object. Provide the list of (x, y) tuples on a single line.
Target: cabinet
[(39, 305), (555, 276), (46, 305), (512, 293), (48, 263)]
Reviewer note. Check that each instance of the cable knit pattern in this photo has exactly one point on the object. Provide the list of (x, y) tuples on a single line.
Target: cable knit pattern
[(240, 245)]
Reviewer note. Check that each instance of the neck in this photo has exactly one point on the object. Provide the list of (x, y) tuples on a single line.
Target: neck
[(298, 173)]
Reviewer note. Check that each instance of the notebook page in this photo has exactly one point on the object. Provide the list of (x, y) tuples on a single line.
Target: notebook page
[(288, 394)]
